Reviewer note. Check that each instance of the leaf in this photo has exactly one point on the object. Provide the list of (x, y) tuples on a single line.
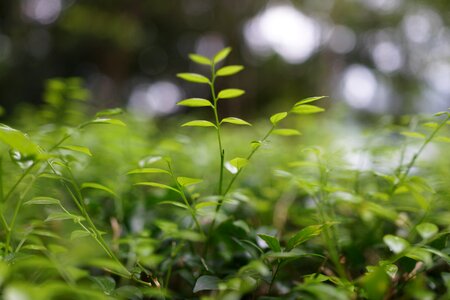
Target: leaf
[(97, 186), (79, 149), (174, 203), (103, 121), (286, 132), (158, 185), (236, 121), (303, 235), (107, 284), (432, 125), (199, 123), (206, 283), (205, 204), (271, 241), (19, 141), (200, 59), (230, 93), (236, 164), (375, 283), (221, 55), (305, 109), (193, 77), (109, 112), (42, 201), (396, 244), (310, 99), (413, 134), (76, 234), (443, 139), (186, 181), (195, 102), (229, 70), (427, 230), (278, 117), (147, 171), (63, 216)]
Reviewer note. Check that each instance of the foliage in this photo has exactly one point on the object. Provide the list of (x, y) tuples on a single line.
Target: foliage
[(109, 208)]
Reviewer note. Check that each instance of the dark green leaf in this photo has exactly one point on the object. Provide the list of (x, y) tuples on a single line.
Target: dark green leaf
[(206, 283), (271, 241)]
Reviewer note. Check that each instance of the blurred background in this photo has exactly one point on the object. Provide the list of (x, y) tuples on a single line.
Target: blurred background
[(370, 56)]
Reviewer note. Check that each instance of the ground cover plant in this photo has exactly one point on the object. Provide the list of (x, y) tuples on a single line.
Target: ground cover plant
[(107, 207)]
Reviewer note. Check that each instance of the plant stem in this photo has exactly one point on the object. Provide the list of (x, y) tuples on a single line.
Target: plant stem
[(274, 275)]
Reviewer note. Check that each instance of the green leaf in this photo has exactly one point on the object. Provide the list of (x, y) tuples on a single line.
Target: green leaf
[(97, 186), (278, 117), (206, 283), (221, 55), (229, 70), (427, 230), (147, 171), (107, 284), (271, 241), (186, 181), (236, 121), (230, 93), (205, 204), (396, 244), (109, 112), (413, 134), (375, 283), (79, 234), (194, 77), (286, 132), (443, 139), (63, 216), (432, 125), (19, 141), (174, 203), (195, 102), (200, 59), (157, 185), (305, 109), (79, 149), (303, 235), (308, 100), (42, 201), (236, 164), (199, 123), (104, 121)]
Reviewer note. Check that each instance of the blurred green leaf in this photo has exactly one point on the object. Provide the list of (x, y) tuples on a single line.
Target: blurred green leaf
[(305, 109), (271, 241), (97, 186), (79, 149), (42, 201), (396, 244), (206, 283), (18, 141), (310, 99), (76, 234), (109, 112), (157, 185), (186, 181), (147, 171), (303, 235), (104, 121), (286, 132), (413, 134), (427, 230)]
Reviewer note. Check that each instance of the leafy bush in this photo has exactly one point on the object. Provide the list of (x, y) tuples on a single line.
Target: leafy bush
[(96, 209)]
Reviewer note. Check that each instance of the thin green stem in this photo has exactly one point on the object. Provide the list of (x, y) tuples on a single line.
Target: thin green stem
[(274, 275)]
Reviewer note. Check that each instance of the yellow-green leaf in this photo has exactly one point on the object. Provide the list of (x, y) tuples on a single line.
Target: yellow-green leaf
[(186, 181), (229, 70), (286, 132), (42, 201), (236, 121), (221, 55), (97, 186), (413, 134), (310, 99), (305, 109), (193, 77), (79, 149), (195, 102), (18, 141), (157, 185), (230, 93), (278, 117), (198, 123), (147, 171), (200, 59)]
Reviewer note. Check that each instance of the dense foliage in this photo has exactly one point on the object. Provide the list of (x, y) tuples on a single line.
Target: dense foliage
[(114, 207)]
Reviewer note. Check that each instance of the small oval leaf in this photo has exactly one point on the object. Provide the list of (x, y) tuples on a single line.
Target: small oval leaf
[(195, 102), (305, 109), (286, 132), (236, 121), (310, 99), (104, 121), (193, 77), (206, 283), (76, 234), (427, 230), (278, 117), (42, 201), (199, 123), (186, 181), (229, 70), (230, 93), (200, 59), (221, 55), (396, 244)]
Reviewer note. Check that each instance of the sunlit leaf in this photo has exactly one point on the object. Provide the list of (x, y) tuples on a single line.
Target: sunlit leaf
[(42, 201), (221, 55), (195, 102), (148, 171), (304, 235), (396, 244), (79, 149), (19, 141), (278, 117), (200, 59), (236, 121), (186, 181), (97, 186), (305, 109), (271, 241), (230, 93), (236, 164), (413, 134), (286, 132), (199, 123), (194, 77), (229, 70), (427, 230), (206, 283), (157, 185), (308, 100)]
